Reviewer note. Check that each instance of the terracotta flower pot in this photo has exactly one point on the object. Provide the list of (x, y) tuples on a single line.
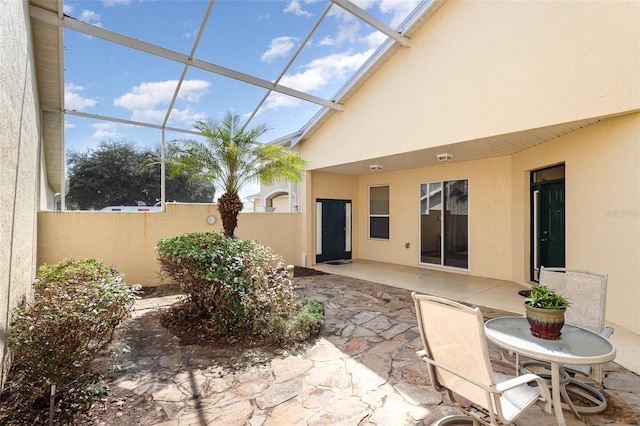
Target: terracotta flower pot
[(545, 323)]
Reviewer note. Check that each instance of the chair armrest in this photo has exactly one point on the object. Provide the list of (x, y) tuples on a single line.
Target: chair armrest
[(521, 380), (524, 379), (607, 332)]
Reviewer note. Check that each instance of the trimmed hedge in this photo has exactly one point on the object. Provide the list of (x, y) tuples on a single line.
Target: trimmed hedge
[(77, 308), (237, 288)]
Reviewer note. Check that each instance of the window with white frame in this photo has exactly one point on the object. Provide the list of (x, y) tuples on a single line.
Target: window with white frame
[(379, 212)]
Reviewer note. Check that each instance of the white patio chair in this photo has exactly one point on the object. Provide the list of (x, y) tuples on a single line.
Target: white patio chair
[(455, 349), (587, 293)]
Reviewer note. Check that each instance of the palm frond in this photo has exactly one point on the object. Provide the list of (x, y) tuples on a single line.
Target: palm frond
[(231, 156)]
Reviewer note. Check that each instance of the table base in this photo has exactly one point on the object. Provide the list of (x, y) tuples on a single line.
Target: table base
[(568, 387)]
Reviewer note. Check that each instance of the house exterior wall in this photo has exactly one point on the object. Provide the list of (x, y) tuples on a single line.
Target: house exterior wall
[(602, 216), (19, 170), (479, 69), (281, 204), (127, 240), (275, 198), (489, 214)]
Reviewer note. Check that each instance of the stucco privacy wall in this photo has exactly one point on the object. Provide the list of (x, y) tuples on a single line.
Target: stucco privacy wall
[(19, 143), (127, 240), (479, 69), (602, 208)]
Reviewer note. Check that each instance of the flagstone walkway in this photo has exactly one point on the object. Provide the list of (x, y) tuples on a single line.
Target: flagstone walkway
[(362, 370)]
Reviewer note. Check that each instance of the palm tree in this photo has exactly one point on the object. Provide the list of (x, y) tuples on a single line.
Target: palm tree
[(231, 157)]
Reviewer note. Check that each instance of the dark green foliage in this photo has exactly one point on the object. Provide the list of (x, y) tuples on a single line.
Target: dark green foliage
[(120, 173), (237, 288), (545, 297), (73, 318), (231, 156)]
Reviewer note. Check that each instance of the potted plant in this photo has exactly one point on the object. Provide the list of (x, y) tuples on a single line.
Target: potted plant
[(545, 312)]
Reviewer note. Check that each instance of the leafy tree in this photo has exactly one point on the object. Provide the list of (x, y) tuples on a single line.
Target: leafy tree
[(112, 174), (231, 156)]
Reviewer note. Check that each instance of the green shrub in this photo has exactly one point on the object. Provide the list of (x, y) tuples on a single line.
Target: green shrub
[(236, 288), (73, 318), (298, 327)]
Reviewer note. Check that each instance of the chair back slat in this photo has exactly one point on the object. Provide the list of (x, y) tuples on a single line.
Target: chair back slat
[(586, 291), (458, 343)]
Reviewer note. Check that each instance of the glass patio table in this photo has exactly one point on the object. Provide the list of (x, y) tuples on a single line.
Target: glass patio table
[(576, 346)]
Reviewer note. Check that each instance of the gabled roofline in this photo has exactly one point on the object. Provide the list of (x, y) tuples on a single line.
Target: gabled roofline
[(408, 27)]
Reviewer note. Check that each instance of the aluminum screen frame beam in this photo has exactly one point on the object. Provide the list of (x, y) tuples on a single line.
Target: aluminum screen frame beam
[(163, 52)]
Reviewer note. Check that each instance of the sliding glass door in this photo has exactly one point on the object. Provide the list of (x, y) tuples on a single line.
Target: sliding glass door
[(444, 223)]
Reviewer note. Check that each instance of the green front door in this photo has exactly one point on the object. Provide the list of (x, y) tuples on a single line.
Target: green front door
[(548, 221), (333, 230), (552, 224)]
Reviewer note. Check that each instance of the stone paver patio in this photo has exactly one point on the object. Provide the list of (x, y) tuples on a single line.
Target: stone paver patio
[(362, 370)]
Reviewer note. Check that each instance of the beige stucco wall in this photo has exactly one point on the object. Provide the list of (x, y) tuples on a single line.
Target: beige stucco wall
[(479, 69), (490, 199), (602, 186), (19, 166), (127, 240), (489, 214)]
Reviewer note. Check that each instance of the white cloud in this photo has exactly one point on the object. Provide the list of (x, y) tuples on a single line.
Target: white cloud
[(327, 41), (374, 39), (74, 101), (399, 8), (104, 130), (147, 100), (348, 31), (67, 9), (90, 17), (187, 115), (316, 75), (109, 3), (366, 4), (68, 125), (150, 94), (319, 71), (294, 7), (148, 115), (349, 27), (279, 47)]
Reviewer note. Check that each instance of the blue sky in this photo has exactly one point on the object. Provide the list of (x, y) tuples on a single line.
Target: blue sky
[(256, 37)]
